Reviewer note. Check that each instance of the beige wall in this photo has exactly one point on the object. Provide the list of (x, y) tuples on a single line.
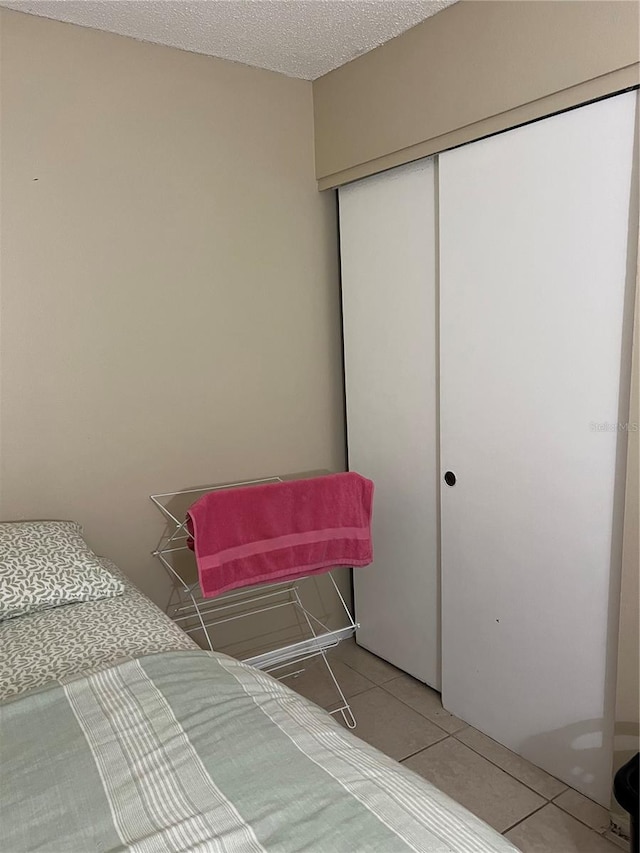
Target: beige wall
[(474, 68), (170, 301)]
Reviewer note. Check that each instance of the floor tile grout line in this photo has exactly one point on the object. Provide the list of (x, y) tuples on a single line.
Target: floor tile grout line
[(544, 797), (526, 817), (357, 672), (447, 735), (357, 695), (361, 692), (364, 675), (424, 716), (454, 735), (327, 708), (459, 731), (522, 820), (333, 702), (406, 704), (575, 816), (621, 841), (604, 831), (424, 749)]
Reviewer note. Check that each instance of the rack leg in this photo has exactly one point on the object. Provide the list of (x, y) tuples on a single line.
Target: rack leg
[(345, 709), (347, 716)]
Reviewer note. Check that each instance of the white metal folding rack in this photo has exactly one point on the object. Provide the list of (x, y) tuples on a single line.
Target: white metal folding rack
[(194, 613)]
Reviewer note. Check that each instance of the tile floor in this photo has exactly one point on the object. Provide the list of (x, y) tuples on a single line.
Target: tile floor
[(405, 719)]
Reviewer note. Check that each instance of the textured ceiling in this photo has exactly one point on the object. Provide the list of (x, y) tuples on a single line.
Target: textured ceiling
[(301, 38)]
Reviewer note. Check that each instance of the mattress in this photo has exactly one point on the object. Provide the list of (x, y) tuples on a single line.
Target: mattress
[(51, 644), (193, 750)]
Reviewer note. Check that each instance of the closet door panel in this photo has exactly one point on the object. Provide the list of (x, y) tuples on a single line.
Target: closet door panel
[(387, 226), (534, 278)]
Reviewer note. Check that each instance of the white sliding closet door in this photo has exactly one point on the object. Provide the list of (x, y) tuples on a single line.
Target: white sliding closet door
[(534, 228), (387, 226)]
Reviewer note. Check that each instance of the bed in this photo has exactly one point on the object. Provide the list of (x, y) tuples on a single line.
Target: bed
[(50, 644), (118, 733)]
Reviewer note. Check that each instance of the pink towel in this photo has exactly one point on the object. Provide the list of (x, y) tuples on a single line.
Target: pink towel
[(280, 531)]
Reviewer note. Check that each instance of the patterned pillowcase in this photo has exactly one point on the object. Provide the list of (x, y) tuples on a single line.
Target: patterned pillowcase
[(45, 564)]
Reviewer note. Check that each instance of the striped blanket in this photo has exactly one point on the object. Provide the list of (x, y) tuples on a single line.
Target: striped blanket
[(195, 751)]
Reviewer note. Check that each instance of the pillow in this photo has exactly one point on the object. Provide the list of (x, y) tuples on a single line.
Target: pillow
[(45, 564)]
